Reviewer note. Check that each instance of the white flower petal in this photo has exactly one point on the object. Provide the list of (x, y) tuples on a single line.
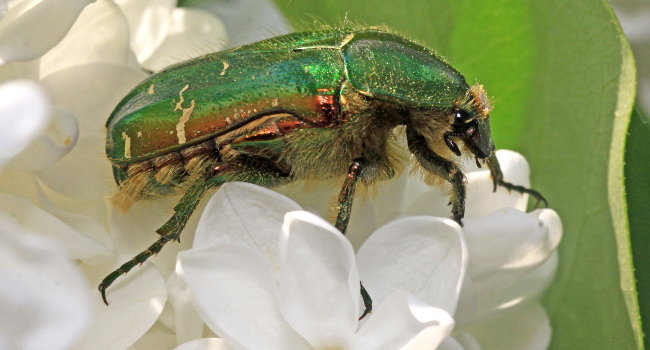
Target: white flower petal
[(466, 302), (245, 214), (155, 340), (135, 230), (187, 323), (551, 220), (193, 33), (318, 286), (372, 211), (319, 198), (497, 294), (524, 328), (19, 183), (247, 20), (20, 70), (204, 344), (149, 21), (313, 196), (32, 27), (234, 292), (44, 224), (23, 115), (398, 321), (90, 92), (100, 34), (43, 297), (136, 301), (423, 255), (507, 239), (481, 200), (85, 216), (507, 287), (58, 139), (425, 200)]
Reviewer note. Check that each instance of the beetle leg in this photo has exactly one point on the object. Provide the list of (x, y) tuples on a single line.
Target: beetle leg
[(367, 302), (442, 167), (346, 196), (171, 230), (345, 207), (181, 214), (497, 180)]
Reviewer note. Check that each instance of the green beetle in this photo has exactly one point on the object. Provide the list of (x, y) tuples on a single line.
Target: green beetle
[(318, 104)]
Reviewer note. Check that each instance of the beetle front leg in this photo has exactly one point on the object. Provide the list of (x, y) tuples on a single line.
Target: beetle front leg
[(497, 180), (442, 167)]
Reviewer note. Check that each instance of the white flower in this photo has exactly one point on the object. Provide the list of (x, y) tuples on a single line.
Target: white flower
[(43, 297), (64, 65), (511, 260), (300, 290)]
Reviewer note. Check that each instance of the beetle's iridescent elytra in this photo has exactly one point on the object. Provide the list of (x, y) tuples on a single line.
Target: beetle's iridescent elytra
[(320, 104)]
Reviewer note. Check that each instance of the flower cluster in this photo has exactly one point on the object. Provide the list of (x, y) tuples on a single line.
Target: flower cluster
[(261, 271), (64, 64), (433, 283)]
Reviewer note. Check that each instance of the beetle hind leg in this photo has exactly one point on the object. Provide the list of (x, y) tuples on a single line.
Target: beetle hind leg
[(171, 230), (497, 180)]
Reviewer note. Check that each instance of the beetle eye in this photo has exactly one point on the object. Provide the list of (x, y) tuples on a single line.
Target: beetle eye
[(461, 116)]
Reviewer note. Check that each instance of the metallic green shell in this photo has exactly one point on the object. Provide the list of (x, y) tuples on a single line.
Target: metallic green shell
[(210, 95), (392, 68)]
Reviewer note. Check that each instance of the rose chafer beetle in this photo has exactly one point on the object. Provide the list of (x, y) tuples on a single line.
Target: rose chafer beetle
[(320, 104)]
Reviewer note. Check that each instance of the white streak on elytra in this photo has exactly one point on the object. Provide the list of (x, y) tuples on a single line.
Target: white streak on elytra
[(185, 117), (127, 145), (225, 67), (179, 104), (180, 127)]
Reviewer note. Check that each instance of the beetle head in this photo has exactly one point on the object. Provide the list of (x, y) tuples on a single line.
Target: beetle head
[(471, 124)]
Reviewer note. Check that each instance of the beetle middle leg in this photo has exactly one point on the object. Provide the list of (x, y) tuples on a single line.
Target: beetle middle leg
[(171, 230), (442, 167), (497, 180), (345, 207), (346, 196)]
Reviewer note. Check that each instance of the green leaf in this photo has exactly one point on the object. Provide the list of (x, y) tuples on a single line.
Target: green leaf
[(637, 187), (562, 78)]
